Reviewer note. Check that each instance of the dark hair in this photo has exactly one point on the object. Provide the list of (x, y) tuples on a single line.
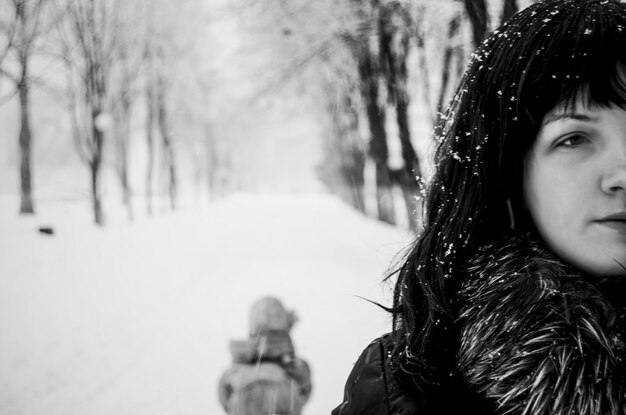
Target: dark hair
[(555, 51)]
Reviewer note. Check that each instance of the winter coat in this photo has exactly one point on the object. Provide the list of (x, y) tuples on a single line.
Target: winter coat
[(536, 338), (265, 378)]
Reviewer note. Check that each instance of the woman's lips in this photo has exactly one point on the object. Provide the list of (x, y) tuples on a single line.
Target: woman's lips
[(618, 225), (616, 221)]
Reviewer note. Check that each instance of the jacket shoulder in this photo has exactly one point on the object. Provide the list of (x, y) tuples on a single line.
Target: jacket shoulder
[(370, 388)]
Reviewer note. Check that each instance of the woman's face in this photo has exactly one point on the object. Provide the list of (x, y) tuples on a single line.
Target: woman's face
[(575, 187)]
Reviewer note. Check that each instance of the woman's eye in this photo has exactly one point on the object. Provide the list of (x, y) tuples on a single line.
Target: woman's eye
[(572, 141)]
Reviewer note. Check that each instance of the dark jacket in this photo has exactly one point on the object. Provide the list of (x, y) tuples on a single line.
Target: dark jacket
[(536, 338), (371, 389)]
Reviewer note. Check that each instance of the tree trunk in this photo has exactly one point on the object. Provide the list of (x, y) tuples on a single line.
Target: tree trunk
[(94, 166), (126, 190), (25, 140), (479, 18), (394, 48), (353, 158), (423, 68), (453, 30), (355, 181), (378, 149), (215, 165), (412, 170), (150, 143), (95, 194), (166, 141), (509, 8), (122, 128)]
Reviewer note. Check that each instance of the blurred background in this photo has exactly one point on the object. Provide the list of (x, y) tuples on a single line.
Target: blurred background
[(163, 164), (149, 100)]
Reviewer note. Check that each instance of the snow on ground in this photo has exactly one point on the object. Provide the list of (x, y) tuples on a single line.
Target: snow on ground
[(135, 318)]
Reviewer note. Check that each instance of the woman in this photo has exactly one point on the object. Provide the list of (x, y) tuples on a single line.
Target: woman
[(512, 299)]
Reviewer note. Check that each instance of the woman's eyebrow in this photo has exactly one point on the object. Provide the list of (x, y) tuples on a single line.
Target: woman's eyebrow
[(552, 117)]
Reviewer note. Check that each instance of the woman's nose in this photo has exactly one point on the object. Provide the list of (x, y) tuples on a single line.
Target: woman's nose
[(614, 179)]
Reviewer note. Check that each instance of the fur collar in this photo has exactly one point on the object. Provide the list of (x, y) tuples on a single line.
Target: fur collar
[(538, 337)]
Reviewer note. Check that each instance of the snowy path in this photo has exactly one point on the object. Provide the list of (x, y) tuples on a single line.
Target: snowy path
[(135, 319)]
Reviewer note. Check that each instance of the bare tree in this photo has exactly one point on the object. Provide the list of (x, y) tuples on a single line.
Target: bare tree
[(150, 100), (394, 34), (21, 32), (121, 117), (126, 74), (369, 76), (364, 44), (162, 90), (382, 37), (176, 116), (89, 42)]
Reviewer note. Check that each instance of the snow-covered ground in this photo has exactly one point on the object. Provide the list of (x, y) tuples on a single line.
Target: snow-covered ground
[(135, 318)]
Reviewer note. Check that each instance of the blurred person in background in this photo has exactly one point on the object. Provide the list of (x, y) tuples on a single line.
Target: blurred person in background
[(266, 377)]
